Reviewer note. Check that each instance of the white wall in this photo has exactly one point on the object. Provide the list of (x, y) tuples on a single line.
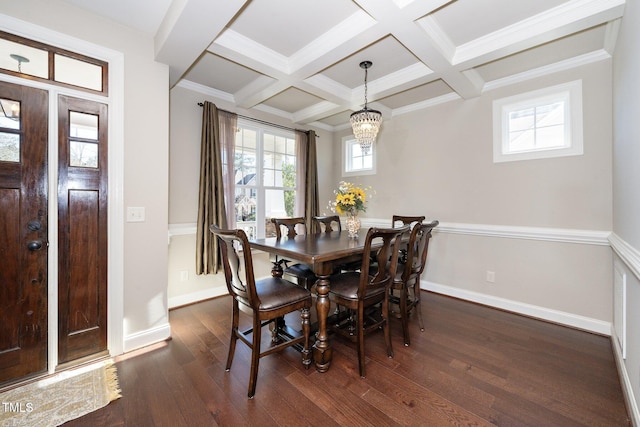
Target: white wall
[(523, 220), (626, 196), (138, 264)]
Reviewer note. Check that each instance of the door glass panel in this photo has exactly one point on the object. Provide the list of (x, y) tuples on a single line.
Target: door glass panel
[(83, 153), (24, 59), (9, 114), (9, 147), (83, 125), (78, 73)]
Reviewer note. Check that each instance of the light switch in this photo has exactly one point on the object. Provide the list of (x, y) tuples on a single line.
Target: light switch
[(135, 214)]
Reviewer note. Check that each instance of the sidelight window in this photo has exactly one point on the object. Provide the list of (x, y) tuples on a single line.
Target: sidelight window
[(9, 130), (83, 135)]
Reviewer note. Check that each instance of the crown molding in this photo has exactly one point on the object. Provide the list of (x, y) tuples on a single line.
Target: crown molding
[(206, 90), (578, 61)]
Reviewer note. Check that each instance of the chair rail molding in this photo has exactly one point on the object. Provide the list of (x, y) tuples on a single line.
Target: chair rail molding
[(627, 253), (562, 235)]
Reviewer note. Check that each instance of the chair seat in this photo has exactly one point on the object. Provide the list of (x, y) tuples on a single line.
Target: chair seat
[(276, 292), (346, 285)]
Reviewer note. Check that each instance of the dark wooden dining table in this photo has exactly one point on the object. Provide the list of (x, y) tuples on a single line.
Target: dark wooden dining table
[(323, 252)]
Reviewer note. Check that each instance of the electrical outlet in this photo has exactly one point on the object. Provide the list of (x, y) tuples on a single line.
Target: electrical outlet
[(491, 276), (184, 275)]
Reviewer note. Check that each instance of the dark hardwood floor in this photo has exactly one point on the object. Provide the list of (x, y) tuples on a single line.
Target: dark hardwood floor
[(472, 366)]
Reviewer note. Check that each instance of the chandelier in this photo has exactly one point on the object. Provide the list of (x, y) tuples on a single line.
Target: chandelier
[(366, 122)]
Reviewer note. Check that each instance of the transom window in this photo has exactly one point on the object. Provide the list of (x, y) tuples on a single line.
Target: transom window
[(43, 62), (539, 124), (265, 178), (355, 162)]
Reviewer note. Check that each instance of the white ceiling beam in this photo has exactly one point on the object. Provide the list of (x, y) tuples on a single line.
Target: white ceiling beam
[(568, 18), (187, 30)]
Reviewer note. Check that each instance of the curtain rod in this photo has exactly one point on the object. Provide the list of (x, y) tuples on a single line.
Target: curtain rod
[(264, 122)]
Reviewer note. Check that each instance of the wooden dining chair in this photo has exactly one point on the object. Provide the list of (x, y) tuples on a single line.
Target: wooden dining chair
[(265, 300), (359, 291), (405, 220), (405, 291), (299, 273), (327, 223)]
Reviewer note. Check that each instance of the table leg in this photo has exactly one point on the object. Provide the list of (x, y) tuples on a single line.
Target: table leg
[(279, 324), (322, 348)]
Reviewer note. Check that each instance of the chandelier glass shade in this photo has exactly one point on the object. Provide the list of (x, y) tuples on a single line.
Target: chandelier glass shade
[(365, 122)]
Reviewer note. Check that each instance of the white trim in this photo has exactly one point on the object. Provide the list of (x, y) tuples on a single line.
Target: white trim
[(193, 297), (147, 337), (627, 253), (555, 316), (561, 235), (620, 305), (625, 381), (182, 229)]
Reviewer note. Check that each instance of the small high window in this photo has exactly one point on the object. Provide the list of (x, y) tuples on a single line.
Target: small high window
[(355, 162), (539, 124)]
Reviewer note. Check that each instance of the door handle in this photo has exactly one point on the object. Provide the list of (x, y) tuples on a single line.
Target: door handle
[(34, 245)]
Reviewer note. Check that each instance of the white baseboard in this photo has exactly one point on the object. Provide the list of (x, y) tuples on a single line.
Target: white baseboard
[(205, 294), (555, 316), (625, 381), (148, 337)]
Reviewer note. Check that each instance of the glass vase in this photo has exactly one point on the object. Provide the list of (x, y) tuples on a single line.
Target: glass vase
[(353, 224)]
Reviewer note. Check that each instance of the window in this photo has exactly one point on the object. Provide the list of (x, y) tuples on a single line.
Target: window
[(539, 124), (9, 130), (265, 178), (51, 64), (354, 161)]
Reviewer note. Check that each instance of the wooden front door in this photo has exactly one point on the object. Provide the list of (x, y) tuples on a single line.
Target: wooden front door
[(23, 231), (82, 228)]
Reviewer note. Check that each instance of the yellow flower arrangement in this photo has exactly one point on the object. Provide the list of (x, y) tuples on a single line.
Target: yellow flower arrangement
[(349, 198)]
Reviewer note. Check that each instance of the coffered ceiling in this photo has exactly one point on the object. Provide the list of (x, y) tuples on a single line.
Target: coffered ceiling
[(299, 59)]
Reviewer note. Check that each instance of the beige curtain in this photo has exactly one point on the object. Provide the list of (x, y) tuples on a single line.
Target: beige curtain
[(216, 183), (307, 204)]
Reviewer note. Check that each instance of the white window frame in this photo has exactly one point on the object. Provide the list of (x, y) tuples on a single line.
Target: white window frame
[(347, 159), (570, 93), (259, 186)]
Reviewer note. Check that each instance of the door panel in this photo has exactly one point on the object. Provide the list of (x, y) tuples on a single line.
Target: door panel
[(82, 228), (23, 232)]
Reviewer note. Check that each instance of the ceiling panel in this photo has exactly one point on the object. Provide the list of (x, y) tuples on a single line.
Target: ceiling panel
[(221, 74), (286, 26)]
